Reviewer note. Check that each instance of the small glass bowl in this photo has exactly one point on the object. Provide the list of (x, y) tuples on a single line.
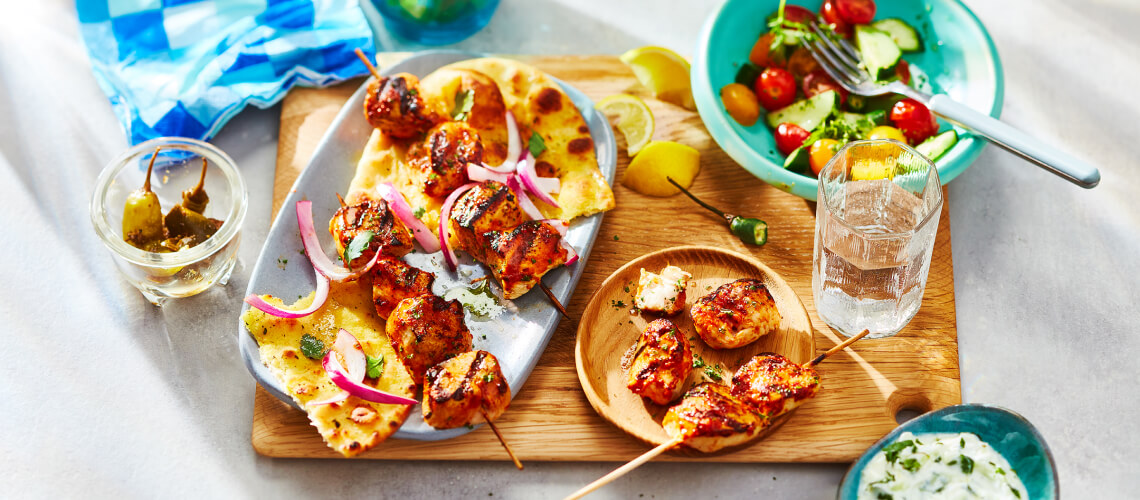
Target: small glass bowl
[(160, 276)]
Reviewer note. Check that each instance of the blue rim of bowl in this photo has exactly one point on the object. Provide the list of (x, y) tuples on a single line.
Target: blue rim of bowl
[(961, 156), (905, 426)]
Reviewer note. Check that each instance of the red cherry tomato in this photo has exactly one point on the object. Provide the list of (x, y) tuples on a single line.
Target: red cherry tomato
[(902, 71), (775, 88), (831, 16), (797, 14), (856, 11), (801, 62), (819, 81), (914, 119), (790, 136), (763, 56)]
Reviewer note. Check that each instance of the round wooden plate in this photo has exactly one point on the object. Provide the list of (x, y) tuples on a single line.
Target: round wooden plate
[(608, 329)]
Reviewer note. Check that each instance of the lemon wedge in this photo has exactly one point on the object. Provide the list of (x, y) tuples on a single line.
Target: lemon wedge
[(665, 72), (634, 119), (870, 170), (648, 170)]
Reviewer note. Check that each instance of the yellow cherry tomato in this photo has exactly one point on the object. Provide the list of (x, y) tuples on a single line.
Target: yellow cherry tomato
[(821, 152), (885, 132), (741, 103)]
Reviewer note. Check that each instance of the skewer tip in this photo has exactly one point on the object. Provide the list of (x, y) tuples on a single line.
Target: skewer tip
[(558, 305)]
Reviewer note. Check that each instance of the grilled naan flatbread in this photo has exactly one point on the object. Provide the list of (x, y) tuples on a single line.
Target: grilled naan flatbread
[(353, 425), (538, 104)]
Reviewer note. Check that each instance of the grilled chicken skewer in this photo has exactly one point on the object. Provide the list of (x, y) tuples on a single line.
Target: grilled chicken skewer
[(426, 330), (489, 225), (712, 417), (395, 105), (389, 234), (467, 389)]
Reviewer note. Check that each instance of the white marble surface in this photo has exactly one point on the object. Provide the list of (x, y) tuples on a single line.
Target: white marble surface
[(106, 396)]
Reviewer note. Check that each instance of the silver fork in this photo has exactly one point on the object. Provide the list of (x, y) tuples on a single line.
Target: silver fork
[(840, 60)]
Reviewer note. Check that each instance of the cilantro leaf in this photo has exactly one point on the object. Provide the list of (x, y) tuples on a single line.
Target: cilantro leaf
[(892, 450), (312, 347), (911, 464), (967, 464), (419, 212), (375, 366), (356, 246), (463, 102), (536, 145), (1015, 492)]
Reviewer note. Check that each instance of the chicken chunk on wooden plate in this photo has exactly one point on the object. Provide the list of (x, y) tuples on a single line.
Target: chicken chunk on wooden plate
[(735, 314)]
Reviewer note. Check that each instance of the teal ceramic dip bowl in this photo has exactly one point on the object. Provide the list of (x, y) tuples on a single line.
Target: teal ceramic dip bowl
[(958, 57), (1007, 432)]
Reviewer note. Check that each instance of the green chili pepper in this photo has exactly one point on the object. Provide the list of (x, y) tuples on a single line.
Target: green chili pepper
[(750, 230)]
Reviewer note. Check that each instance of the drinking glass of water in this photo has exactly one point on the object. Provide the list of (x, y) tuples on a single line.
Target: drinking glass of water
[(876, 218)]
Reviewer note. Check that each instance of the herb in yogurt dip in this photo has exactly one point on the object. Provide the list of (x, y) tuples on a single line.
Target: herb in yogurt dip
[(937, 466)]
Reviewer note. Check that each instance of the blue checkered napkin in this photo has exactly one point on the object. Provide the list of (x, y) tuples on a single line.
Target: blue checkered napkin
[(185, 67)]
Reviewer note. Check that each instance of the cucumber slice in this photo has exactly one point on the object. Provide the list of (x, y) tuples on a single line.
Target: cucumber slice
[(905, 36), (879, 52), (747, 74), (807, 113), (798, 160), (938, 145)]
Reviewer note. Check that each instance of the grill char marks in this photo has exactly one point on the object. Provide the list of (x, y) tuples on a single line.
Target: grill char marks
[(462, 389), (663, 363), (394, 105), (442, 158), (388, 232)]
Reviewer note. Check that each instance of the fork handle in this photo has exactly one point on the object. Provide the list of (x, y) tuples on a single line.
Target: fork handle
[(1046, 156)]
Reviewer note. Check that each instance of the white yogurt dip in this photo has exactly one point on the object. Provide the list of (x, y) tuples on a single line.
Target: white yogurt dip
[(939, 466)]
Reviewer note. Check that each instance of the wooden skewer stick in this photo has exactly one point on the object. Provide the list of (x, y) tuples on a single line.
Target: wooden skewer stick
[(371, 69), (553, 299), (503, 441), (338, 196), (621, 471), (833, 350)]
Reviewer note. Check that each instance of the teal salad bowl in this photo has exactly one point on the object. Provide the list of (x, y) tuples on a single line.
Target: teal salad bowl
[(959, 59), (1007, 432)]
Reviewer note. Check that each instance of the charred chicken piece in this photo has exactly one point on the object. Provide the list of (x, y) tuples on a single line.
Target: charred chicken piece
[(773, 384), (425, 331), (736, 314), (486, 207), (663, 293), (710, 418), (442, 158), (394, 280), (394, 105), (518, 258), (388, 231), (662, 363), (461, 390)]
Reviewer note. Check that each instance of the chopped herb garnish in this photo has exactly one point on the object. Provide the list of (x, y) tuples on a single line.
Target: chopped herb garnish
[(536, 146), (911, 464), (488, 377), (615, 237), (1015, 492), (967, 464), (356, 247), (463, 102), (962, 443), (375, 366), (312, 347), (626, 289), (419, 212), (892, 450), (617, 304)]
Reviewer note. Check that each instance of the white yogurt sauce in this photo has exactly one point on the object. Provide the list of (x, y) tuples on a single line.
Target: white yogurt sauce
[(939, 466)]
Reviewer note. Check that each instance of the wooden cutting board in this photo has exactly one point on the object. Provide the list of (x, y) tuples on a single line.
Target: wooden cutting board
[(863, 388)]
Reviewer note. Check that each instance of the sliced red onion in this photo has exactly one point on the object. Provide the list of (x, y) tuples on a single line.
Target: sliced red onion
[(337, 374), (524, 200), (350, 350), (322, 294), (404, 211), (340, 396), (529, 180), (483, 173), (514, 147), (444, 217), (563, 227), (321, 262)]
